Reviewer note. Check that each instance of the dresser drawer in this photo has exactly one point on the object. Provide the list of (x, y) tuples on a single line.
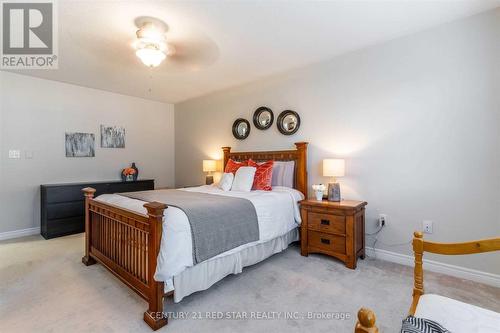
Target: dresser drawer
[(326, 242), (326, 223), (66, 226), (62, 205)]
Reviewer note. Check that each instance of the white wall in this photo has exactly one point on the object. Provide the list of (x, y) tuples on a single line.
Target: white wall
[(36, 113), (417, 119)]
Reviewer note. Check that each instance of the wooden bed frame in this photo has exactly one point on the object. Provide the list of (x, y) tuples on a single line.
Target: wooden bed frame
[(366, 318), (127, 243)]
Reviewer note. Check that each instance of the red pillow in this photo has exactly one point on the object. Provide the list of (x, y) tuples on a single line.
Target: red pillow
[(263, 175), (233, 166)]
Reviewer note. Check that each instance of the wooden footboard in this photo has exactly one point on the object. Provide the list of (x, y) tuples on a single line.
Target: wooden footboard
[(127, 244)]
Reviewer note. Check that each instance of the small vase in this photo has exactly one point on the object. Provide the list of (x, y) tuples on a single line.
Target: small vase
[(319, 195), (136, 174)]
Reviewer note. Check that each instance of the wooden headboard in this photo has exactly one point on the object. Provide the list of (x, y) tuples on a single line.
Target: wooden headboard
[(299, 155)]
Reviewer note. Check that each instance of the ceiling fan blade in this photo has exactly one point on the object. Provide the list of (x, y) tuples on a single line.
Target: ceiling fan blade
[(193, 54)]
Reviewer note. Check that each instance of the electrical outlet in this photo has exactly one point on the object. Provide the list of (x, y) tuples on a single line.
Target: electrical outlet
[(382, 220), (427, 227)]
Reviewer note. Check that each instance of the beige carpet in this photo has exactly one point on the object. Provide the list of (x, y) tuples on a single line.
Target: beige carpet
[(44, 287)]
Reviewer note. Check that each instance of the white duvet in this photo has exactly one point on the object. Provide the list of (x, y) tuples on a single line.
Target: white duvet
[(277, 213)]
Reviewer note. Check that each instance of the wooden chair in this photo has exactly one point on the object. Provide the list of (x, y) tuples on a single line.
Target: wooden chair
[(366, 318)]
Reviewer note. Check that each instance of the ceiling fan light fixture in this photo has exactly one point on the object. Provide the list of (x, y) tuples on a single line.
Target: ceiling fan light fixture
[(151, 46), (151, 33), (150, 56)]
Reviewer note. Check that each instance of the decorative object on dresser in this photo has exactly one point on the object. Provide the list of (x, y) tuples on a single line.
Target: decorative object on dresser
[(62, 205), (318, 191), (333, 228), (288, 122), (334, 167), (80, 144), (241, 129), (263, 118), (112, 137), (130, 174), (209, 166)]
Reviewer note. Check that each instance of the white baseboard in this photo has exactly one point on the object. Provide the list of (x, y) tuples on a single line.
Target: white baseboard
[(438, 267), (19, 233)]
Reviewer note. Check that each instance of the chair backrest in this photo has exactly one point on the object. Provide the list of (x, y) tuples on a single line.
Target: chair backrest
[(420, 246), (366, 317)]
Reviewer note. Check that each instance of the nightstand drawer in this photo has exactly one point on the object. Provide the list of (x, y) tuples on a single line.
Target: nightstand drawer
[(326, 223), (326, 242)]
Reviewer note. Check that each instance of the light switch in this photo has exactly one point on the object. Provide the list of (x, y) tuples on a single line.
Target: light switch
[(14, 154), (28, 155)]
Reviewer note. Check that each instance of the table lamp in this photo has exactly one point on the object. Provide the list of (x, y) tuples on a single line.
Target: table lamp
[(333, 167), (209, 166)]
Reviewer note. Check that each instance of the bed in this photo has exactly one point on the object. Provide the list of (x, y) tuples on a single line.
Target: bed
[(145, 244)]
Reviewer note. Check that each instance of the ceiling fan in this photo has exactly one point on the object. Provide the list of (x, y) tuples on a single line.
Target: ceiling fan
[(151, 44), (192, 51)]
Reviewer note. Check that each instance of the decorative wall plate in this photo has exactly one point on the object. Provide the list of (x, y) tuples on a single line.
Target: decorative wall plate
[(241, 128), (263, 118), (288, 122)]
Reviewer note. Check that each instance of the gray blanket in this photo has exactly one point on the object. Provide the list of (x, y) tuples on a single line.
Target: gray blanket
[(218, 223)]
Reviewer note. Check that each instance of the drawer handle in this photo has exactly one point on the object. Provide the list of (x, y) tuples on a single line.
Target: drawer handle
[(325, 241), (325, 222)]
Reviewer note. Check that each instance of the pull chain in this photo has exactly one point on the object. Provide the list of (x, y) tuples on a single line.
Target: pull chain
[(150, 89)]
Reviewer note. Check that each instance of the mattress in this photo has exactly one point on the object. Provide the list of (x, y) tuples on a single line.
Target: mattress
[(277, 214)]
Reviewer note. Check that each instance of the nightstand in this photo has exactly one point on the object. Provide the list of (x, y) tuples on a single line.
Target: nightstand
[(333, 228)]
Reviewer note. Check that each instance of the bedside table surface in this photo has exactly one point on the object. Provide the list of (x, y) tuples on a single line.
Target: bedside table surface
[(344, 204)]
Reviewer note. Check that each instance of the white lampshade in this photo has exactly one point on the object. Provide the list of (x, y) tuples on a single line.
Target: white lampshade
[(333, 167), (209, 165)]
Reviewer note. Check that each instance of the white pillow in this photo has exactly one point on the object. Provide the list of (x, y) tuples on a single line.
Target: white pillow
[(243, 180), (226, 181), (283, 173)]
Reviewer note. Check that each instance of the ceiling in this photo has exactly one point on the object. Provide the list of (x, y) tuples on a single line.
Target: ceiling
[(222, 44)]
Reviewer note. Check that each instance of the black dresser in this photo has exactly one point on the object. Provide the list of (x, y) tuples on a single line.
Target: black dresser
[(62, 205)]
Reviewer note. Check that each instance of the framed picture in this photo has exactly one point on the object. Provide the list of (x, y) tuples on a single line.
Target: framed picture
[(112, 137), (80, 144)]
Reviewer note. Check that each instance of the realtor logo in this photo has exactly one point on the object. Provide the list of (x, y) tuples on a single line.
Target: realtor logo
[(29, 35)]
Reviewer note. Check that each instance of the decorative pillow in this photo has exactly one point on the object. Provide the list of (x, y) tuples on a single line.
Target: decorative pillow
[(226, 181), (233, 166), (263, 175), (421, 325), (283, 173), (243, 180)]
